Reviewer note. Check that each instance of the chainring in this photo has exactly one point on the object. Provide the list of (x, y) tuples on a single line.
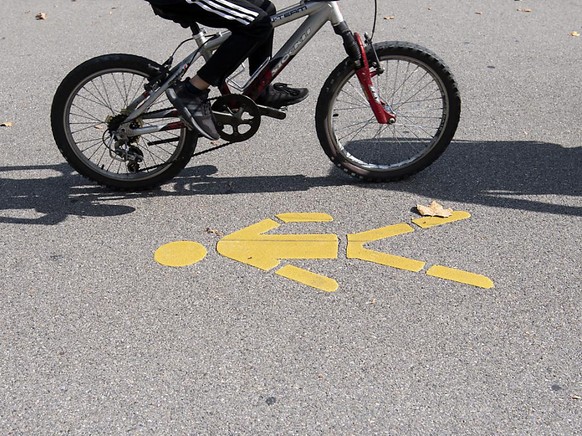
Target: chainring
[(237, 117)]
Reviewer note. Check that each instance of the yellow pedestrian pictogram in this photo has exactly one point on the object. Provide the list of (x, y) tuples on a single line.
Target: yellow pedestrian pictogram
[(257, 246), (357, 241), (356, 250), (253, 247)]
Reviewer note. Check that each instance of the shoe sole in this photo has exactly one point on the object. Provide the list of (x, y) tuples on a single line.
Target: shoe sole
[(188, 119), (285, 105)]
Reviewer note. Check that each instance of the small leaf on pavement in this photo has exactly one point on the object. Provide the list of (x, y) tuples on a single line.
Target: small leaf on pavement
[(212, 231)]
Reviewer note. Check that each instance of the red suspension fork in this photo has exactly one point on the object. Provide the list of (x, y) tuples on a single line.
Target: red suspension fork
[(365, 77)]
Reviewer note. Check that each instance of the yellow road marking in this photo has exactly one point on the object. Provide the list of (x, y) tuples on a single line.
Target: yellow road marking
[(180, 253), (460, 276), (433, 221), (304, 217), (252, 247), (308, 278), (381, 233), (356, 248)]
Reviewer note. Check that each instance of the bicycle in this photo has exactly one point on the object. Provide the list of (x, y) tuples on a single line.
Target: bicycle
[(387, 111)]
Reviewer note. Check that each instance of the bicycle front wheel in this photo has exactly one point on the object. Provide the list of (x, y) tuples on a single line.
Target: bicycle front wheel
[(92, 102), (417, 87)]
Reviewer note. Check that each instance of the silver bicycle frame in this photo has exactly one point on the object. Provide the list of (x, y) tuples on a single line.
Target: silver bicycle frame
[(317, 12)]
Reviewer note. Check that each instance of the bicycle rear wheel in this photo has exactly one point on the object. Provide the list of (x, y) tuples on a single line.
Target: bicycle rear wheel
[(88, 107), (417, 87)]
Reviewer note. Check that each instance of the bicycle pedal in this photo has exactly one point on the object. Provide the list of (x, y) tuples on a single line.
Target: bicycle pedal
[(267, 111)]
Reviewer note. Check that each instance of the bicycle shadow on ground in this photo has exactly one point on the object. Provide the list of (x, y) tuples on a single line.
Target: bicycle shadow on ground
[(527, 175), (516, 175), (49, 194)]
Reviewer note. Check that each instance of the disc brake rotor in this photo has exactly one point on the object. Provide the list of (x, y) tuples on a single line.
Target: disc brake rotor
[(237, 117)]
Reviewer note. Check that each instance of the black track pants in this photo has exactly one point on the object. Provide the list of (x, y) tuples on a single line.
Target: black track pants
[(252, 33)]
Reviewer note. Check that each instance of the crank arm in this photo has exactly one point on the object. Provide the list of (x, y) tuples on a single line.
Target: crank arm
[(224, 118), (272, 112)]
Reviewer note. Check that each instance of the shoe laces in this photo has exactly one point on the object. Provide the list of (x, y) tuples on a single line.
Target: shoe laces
[(205, 107), (284, 87)]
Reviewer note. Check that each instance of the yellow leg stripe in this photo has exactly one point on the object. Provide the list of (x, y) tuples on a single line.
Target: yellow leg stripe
[(458, 275), (308, 278)]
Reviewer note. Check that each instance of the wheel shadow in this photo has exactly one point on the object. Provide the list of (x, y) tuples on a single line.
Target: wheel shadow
[(49, 194), (531, 176), (527, 175)]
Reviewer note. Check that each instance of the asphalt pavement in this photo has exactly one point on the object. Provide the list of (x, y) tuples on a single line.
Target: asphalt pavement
[(96, 337)]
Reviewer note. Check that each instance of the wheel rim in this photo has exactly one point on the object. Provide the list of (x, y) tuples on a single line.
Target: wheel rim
[(96, 100), (411, 90)]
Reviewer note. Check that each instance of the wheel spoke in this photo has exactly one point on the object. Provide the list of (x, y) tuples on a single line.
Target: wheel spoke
[(96, 103), (414, 89)]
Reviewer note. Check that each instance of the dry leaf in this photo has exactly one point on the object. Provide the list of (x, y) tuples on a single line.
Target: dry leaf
[(6, 124), (40, 16), (576, 397), (479, 13), (434, 209), (214, 232), (389, 17), (524, 10), (574, 33)]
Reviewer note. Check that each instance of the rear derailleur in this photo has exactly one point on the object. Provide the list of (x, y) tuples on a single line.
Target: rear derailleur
[(122, 147)]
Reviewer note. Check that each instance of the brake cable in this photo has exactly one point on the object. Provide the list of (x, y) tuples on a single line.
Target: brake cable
[(375, 18)]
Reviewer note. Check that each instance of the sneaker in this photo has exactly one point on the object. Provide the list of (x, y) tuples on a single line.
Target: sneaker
[(194, 109), (278, 95)]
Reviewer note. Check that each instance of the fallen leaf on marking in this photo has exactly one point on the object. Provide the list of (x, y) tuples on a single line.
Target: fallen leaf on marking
[(574, 33), (434, 209), (6, 124), (40, 16)]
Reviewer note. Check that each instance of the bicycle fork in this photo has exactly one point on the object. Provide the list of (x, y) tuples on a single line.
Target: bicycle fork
[(356, 50)]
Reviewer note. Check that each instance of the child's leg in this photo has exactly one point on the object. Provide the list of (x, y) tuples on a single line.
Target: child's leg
[(251, 29)]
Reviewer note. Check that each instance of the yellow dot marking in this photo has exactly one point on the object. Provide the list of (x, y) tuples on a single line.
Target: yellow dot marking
[(308, 278), (432, 221), (305, 217), (180, 253), (460, 276)]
